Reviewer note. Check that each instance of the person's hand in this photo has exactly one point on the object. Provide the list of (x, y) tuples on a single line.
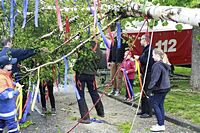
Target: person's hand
[(122, 69), (149, 93), (108, 65), (18, 86), (136, 57)]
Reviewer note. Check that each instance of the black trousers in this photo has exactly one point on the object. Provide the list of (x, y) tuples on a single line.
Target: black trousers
[(89, 80), (146, 106), (49, 85)]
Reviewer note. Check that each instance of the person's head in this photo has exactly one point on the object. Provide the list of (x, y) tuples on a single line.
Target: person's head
[(7, 62), (144, 40), (7, 42), (159, 55), (127, 54)]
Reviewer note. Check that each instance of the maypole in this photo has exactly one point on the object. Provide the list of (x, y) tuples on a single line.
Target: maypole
[(177, 14)]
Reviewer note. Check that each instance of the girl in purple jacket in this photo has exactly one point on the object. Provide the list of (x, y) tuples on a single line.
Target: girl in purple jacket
[(128, 68)]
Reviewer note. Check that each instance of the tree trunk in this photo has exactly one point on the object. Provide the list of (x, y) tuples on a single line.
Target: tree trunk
[(195, 60)]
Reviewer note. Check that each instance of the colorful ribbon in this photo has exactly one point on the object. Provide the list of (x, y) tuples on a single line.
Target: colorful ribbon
[(59, 17), (25, 9), (75, 89), (137, 64), (127, 79), (19, 103), (36, 91), (67, 28), (95, 13), (26, 109), (127, 88), (54, 76), (103, 36), (66, 68), (11, 18), (36, 12), (118, 35), (89, 31), (2, 6), (58, 72), (92, 11)]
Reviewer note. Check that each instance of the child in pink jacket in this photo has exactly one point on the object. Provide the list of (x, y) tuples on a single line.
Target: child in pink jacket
[(128, 68)]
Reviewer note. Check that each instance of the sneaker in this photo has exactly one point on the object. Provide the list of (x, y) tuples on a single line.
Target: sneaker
[(53, 111), (117, 93), (154, 125), (86, 121), (101, 115), (145, 116), (157, 128), (44, 111), (125, 99), (112, 92), (130, 99), (140, 113)]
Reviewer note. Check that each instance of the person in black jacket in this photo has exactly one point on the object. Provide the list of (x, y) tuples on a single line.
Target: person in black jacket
[(86, 68), (116, 57), (158, 87), (146, 57), (20, 54)]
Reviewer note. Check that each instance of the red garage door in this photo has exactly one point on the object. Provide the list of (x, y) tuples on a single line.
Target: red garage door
[(177, 45)]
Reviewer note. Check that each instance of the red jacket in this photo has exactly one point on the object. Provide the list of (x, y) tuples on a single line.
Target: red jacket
[(130, 68)]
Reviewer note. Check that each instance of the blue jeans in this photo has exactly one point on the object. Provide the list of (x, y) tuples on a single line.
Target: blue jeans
[(158, 106), (11, 125)]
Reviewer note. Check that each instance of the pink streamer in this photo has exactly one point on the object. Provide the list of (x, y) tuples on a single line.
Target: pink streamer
[(95, 13), (59, 17)]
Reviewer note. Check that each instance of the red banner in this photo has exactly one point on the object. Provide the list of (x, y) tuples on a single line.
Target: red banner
[(177, 45)]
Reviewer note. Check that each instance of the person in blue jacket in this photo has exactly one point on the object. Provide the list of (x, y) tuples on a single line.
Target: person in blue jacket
[(20, 54), (7, 96), (158, 87)]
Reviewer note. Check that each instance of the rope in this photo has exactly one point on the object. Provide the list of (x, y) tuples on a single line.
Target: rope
[(107, 86), (133, 122)]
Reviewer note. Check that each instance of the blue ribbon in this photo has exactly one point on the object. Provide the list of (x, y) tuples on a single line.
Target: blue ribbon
[(36, 12), (130, 86), (95, 120), (102, 35), (89, 30), (75, 89), (66, 68), (90, 8), (11, 18), (38, 98), (58, 72), (118, 35), (2, 6), (23, 119), (25, 9)]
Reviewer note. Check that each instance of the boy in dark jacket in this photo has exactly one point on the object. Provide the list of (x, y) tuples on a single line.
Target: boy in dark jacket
[(86, 67), (7, 96)]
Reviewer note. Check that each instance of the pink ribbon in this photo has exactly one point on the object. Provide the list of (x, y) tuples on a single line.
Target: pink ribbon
[(59, 17)]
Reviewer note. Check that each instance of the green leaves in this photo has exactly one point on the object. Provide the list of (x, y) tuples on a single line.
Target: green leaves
[(179, 27)]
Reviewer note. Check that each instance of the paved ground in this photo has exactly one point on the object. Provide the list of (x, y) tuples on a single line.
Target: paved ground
[(115, 113)]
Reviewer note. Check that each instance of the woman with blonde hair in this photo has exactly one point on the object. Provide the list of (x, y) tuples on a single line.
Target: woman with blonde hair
[(159, 87)]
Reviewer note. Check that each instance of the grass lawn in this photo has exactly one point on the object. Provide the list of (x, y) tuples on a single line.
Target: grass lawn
[(181, 101)]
